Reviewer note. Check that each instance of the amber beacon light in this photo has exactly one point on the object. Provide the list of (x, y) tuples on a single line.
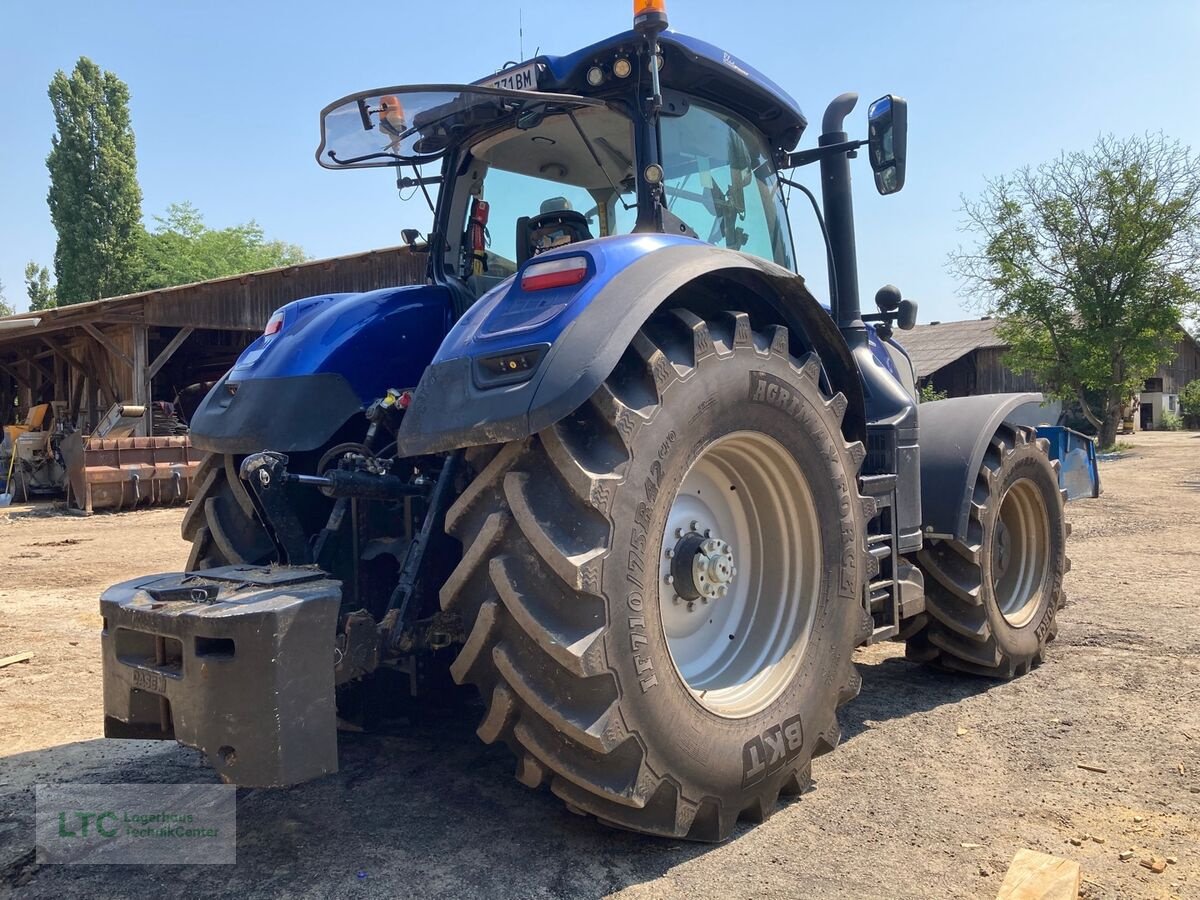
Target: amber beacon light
[(649, 15)]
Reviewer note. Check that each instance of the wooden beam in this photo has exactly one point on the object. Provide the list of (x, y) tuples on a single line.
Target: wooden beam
[(17, 376), (102, 380), (61, 353), (168, 351), (46, 373), (141, 381), (75, 408), (108, 343)]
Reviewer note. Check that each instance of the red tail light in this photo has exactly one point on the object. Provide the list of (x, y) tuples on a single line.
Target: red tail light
[(554, 273)]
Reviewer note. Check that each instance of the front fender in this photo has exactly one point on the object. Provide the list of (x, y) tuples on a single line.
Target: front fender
[(630, 276), (955, 434), (335, 354)]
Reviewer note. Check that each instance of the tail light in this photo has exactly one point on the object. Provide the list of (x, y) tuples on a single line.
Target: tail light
[(554, 273), (274, 324)]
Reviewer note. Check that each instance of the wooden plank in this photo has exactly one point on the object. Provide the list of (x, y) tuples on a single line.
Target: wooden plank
[(1039, 876), (168, 351), (15, 658), (107, 342)]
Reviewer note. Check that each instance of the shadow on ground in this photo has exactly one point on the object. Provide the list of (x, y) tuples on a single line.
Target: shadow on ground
[(893, 688), (423, 811)]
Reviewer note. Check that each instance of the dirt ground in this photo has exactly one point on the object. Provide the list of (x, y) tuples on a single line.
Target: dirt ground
[(938, 782)]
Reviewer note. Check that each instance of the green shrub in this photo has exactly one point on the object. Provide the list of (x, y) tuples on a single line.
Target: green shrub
[(1170, 421), (929, 393), (1189, 402)]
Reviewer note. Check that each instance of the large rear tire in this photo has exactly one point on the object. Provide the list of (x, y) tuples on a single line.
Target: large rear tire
[(633, 707), (991, 601), (221, 523)]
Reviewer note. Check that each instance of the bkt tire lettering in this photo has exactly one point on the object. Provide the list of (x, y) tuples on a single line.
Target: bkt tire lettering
[(771, 751)]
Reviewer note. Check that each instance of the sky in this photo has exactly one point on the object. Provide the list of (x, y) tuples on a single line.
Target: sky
[(226, 95)]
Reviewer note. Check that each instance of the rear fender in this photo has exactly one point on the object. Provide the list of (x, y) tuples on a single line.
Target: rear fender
[(630, 277), (293, 390), (955, 434)]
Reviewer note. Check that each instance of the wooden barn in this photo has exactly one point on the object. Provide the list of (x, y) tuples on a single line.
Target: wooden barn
[(963, 358), (151, 346), (966, 358)]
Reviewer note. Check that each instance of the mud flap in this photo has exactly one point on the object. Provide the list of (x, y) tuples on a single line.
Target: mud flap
[(237, 662)]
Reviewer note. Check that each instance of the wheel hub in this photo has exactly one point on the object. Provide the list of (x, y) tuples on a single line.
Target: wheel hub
[(702, 566)]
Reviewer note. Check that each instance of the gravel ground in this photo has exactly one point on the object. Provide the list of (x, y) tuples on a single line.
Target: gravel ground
[(938, 782)]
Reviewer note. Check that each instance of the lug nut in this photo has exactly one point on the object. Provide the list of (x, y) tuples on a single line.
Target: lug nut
[(670, 579), (695, 525), (708, 532), (676, 599), (678, 532), (670, 553)]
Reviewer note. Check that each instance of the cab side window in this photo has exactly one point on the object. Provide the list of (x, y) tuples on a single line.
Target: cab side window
[(720, 180)]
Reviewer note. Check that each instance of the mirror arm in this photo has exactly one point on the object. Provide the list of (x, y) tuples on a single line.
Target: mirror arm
[(816, 154), (407, 181)]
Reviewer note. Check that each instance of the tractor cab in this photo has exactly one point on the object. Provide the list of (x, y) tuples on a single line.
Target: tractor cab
[(561, 150)]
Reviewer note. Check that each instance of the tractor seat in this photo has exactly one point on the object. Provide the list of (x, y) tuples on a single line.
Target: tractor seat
[(551, 228)]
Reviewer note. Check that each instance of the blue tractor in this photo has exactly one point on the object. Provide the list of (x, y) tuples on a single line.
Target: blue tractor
[(613, 464)]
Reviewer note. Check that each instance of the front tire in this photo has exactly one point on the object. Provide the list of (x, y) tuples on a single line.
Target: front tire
[(991, 600), (221, 523), (605, 687)]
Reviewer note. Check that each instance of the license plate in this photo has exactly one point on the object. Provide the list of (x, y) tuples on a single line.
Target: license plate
[(518, 78)]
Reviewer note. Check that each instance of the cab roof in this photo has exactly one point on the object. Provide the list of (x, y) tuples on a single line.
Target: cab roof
[(695, 67)]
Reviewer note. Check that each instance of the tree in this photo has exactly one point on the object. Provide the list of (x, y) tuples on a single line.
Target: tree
[(182, 249), (5, 308), (1189, 400), (95, 201), (37, 287), (1090, 261)]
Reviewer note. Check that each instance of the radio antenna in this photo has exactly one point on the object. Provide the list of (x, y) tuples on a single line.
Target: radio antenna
[(521, 33)]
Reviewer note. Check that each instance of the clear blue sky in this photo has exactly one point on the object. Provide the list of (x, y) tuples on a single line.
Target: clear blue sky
[(225, 98)]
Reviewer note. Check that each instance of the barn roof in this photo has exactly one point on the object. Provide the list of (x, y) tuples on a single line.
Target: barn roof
[(936, 345), (235, 302)]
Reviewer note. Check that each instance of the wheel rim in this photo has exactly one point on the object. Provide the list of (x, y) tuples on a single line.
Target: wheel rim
[(738, 603), (1021, 552)]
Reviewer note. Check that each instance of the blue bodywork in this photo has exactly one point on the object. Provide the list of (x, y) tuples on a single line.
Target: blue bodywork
[(351, 334), (331, 358), (540, 317)]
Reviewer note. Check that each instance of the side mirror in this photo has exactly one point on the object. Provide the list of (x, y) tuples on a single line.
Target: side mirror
[(887, 136), (906, 315)]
